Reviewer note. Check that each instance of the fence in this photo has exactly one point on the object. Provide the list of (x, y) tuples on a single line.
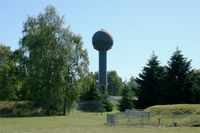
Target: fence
[(144, 118)]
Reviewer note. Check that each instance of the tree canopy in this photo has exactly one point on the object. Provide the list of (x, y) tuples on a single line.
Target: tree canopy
[(150, 83), (178, 84), (115, 84), (9, 81), (54, 60)]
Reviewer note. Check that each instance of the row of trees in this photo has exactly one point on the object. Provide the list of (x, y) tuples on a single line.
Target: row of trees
[(172, 84)]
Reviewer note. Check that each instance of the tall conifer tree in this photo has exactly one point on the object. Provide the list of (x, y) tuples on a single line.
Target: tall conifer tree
[(150, 83), (177, 85)]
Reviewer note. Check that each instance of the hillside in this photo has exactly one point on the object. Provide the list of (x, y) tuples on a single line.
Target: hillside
[(174, 109)]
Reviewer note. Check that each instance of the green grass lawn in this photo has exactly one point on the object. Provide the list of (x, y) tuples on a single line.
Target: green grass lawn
[(79, 122)]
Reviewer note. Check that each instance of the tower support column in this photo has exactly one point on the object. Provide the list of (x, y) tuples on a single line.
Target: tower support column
[(103, 69)]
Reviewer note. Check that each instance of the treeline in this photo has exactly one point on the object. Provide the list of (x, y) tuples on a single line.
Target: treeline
[(174, 83)]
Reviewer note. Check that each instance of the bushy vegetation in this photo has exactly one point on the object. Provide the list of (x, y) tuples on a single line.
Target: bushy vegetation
[(91, 99), (21, 109), (127, 99)]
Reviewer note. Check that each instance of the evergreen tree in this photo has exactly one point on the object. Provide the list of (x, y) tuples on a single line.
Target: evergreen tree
[(150, 84), (127, 98), (90, 89), (195, 91), (91, 99), (178, 85)]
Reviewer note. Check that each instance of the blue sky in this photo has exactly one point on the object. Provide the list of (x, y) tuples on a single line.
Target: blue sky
[(139, 27)]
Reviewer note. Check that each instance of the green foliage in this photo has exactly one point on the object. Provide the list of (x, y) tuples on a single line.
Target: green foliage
[(106, 103), (54, 61), (90, 91), (9, 82), (149, 91), (127, 99), (21, 109), (91, 99), (90, 96), (115, 84), (132, 84), (44, 58), (4, 71), (173, 84), (177, 84), (195, 91)]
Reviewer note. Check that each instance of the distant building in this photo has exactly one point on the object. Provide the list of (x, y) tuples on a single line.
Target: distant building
[(117, 98)]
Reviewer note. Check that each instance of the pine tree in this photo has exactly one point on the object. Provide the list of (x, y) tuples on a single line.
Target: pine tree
[(195, 78), (150, 84), (91, 99), (127, 99), (177, 85)]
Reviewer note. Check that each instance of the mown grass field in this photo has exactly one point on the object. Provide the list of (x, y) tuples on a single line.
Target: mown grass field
[(79, 122)]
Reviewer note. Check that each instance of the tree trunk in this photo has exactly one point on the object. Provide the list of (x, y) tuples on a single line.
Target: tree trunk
[(48, 110), (65, 102)]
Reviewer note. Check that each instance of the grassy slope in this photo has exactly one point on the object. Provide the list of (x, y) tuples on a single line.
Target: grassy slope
[(78, 122), (182, 114), (175, 109)]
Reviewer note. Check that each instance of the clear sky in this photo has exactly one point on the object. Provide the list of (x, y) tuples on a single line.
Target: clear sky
[(139, 27)]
